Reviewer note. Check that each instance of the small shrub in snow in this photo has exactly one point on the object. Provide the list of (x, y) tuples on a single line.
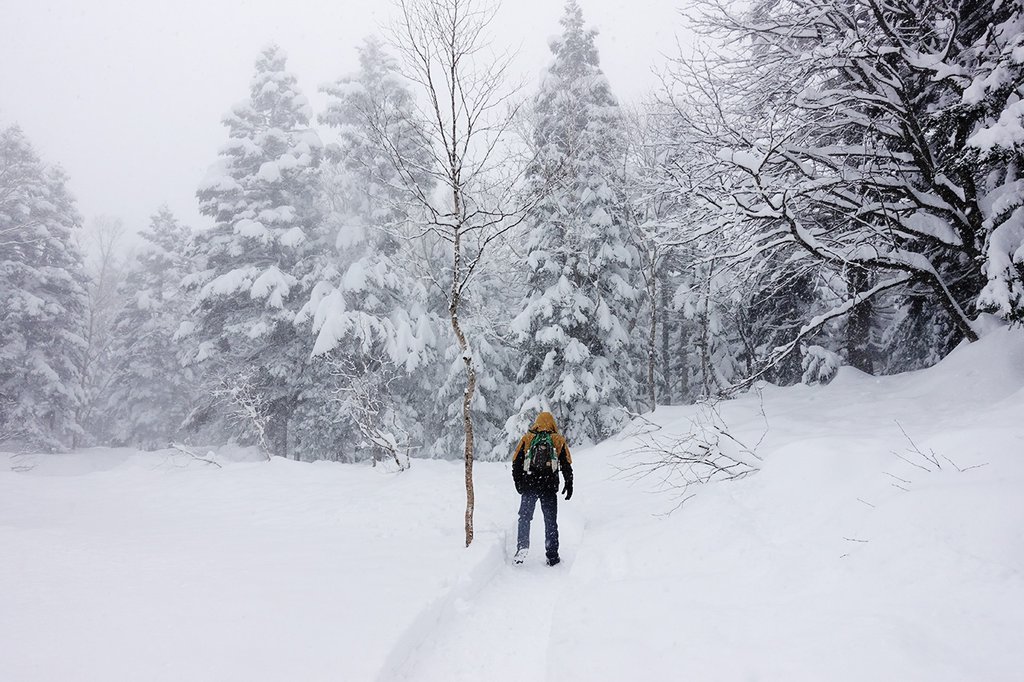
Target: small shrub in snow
[(707, 452)]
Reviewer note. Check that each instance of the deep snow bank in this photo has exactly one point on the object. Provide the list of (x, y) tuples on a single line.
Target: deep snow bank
[(839, 560)]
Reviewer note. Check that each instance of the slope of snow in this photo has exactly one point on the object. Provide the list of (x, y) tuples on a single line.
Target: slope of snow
[(837, 561), (818, 567)]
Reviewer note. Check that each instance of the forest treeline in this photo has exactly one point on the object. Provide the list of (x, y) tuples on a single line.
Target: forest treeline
[(437, 254)]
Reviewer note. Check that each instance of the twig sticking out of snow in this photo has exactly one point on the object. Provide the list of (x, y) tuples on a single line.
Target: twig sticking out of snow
[(929, 461), (957, 467), (925, 461), (901, 480), (195, 455), (22, 462)]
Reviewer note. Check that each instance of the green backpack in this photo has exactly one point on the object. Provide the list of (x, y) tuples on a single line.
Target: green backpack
[(541, 458)]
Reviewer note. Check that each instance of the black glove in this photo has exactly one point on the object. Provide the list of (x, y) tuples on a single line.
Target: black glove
[(567, 490)]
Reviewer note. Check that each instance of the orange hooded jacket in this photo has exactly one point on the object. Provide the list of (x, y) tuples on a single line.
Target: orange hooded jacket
[(545, 422)]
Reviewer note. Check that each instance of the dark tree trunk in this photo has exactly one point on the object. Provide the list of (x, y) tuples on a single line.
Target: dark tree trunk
[(858, 325), (652, 341), (666, 362), (277, 430)]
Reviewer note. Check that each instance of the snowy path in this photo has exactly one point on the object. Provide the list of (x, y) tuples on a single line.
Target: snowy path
[(512, 622), (500, 629)]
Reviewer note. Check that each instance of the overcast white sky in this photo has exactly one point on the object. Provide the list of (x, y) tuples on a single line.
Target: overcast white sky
[(127, 95)]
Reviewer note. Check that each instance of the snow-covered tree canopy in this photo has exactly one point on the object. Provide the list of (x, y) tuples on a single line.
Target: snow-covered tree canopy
[(857, 132), (43, 291), (152, 392), (256, 262), (818, 184), (581, 270)]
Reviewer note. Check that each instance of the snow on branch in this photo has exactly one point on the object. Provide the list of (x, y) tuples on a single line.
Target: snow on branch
[(208, 459), (816, 324)]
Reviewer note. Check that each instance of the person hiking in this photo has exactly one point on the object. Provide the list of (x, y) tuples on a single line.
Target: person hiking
[(536, 463)]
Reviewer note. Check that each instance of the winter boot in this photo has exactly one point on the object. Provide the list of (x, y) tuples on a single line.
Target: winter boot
[(553, 560), (520, 556)]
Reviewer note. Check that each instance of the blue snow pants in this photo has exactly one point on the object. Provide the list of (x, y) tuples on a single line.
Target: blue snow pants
[(549, 507)]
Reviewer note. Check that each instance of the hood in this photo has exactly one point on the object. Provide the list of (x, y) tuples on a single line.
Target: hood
[(545, 422)]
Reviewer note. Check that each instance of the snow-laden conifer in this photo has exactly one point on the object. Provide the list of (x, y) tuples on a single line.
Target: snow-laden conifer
[(574, 327), (369, 298), (374, 334), (43, 286), (255, 270), (152, 392), (995, 95)]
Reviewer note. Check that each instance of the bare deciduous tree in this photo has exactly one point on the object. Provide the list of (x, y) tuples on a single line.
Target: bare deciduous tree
[(248, 406), (831, 126), (367, 396), (464, 122)]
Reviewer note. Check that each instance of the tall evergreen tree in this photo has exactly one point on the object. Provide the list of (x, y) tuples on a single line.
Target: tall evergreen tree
[(153, 392), (994, 101), (255, 274), (367, 293), (375, 335), (43, 286), (105, 268), (575, 320)]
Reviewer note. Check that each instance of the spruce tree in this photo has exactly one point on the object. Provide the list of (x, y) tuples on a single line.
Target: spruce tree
[(575, 320), (256, 265), (368, 311), (367, 294), (153, 392), (994, 99), (43, 285), (106, 269)]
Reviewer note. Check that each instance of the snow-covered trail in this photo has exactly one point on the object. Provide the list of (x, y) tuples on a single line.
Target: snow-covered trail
[(502, 626), (499, 629), (501, 633)]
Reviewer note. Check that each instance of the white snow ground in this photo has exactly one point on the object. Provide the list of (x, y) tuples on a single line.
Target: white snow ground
[(118, 565)]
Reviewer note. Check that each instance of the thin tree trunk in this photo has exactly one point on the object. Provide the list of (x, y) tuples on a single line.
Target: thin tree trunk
[(705, 342), (666, 361), (277, 436), (652, 341), (467, 419), (467, 396)]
